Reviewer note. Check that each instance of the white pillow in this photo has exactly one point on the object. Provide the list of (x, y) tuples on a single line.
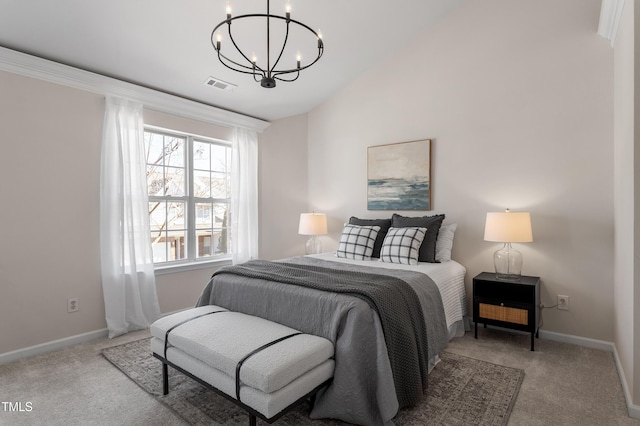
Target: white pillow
[(356, 242), (402, 245), (444, 243)]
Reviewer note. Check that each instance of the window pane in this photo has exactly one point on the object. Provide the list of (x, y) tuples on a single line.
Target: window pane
[(205, 242), (219, 185), (204, 215), (176, 243), (174, 151), (201, 184), (157, 216), (220, 236), (175, 181), (159, 247), (176, 218), (155, 180), (219, 156), (154, 148), (201, 155), (220, 215)]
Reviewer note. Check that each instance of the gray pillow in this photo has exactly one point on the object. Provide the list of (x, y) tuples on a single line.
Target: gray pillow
[(384, 225), (432, 223)]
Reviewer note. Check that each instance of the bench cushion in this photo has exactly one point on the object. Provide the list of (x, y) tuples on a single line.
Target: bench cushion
[(222, 339)]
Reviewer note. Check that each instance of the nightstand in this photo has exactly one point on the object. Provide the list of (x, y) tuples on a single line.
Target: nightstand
[(507, 303)]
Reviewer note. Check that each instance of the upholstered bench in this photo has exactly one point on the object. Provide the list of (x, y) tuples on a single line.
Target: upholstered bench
[(264, 367)]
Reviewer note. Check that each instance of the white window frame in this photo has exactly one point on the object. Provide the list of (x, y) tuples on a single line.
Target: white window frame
[(191, 262)]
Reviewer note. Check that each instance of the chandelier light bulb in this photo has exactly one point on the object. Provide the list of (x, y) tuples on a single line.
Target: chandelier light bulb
[(228, 9), (218, 40), (254, 59), (298, 58)]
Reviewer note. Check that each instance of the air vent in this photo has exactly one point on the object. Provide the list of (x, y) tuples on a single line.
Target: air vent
[(219, 84)]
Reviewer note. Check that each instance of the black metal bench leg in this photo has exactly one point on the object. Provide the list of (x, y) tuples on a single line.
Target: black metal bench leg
[(252, 420), (165, 379), (312, 401)]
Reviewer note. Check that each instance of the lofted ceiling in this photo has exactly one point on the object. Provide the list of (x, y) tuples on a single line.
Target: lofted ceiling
[(165, 44)]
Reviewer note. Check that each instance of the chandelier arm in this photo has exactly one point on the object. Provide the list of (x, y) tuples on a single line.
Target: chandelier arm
[(287, 80), (255, 66), (221, 56), (280, 72), (252, 69), (284, 44)]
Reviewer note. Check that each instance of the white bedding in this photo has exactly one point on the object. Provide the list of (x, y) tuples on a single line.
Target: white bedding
[(448, 276)]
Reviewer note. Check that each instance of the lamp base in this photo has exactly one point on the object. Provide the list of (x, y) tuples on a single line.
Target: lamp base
[(508, 263), (313, 246)]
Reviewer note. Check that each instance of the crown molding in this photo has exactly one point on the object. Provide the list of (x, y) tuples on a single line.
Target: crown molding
[(43, 69), (610, 14)]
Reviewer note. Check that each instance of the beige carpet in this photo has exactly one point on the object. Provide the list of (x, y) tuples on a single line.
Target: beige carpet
[(461, 391), (563, 385)]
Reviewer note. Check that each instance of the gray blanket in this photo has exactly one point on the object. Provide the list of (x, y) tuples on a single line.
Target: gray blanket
[(363, 390)]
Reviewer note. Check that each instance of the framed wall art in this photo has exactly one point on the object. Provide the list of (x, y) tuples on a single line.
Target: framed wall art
[(399, 176)]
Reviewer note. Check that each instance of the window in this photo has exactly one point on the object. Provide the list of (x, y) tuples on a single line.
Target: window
[(189, 184)]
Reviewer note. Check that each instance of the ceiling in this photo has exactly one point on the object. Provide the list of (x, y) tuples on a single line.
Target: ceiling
[(165, 44)]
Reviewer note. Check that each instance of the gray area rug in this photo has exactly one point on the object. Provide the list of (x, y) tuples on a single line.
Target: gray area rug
[(461, 391)]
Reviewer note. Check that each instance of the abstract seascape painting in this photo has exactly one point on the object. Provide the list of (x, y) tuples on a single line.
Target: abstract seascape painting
[(399, 176)]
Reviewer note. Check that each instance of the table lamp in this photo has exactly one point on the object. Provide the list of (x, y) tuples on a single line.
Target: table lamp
[(313, 224), (508, 227)]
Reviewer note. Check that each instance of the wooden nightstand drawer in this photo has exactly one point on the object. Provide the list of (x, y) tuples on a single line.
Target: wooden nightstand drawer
[(504, 313)]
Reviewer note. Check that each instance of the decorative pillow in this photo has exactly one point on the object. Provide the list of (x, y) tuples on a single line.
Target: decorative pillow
[(444, 243), (356, 242), (401, 245), (432, 223), (384, 225)]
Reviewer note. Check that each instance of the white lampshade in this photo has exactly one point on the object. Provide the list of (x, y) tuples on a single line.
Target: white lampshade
[(313, 224), (508, 227)]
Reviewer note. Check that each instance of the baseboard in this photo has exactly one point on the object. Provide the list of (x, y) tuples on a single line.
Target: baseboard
[(632, 409), (577, 340), (564, 338), (59, 344), (52, 346)]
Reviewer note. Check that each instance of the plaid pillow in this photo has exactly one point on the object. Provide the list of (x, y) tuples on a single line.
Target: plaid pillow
[(356, 242), (402, 245)]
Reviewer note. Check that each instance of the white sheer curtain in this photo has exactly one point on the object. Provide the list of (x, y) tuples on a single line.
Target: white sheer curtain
[(128, 280), (244, 195)]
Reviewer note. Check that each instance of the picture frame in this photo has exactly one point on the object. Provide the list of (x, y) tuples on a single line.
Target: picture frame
[(399, 176)]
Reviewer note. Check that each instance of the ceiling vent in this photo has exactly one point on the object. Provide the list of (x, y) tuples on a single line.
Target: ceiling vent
[(219, 84)]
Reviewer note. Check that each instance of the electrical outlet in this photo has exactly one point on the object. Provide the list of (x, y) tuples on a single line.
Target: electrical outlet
[(563, 302), (72, 304)]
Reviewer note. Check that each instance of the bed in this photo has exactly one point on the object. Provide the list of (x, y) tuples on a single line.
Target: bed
[(367, 388)]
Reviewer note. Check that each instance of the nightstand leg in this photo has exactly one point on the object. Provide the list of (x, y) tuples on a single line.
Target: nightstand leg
[(532, 333), (476, 327)]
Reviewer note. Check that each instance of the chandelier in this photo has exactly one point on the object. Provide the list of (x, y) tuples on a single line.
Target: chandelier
[(266, 72)]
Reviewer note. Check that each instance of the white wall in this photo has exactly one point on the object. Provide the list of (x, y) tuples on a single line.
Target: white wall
[(283, 187), (517, 98), (627, 203), (50, 170)]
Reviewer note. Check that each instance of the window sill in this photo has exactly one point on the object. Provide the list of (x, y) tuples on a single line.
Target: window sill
[(192, 266)]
